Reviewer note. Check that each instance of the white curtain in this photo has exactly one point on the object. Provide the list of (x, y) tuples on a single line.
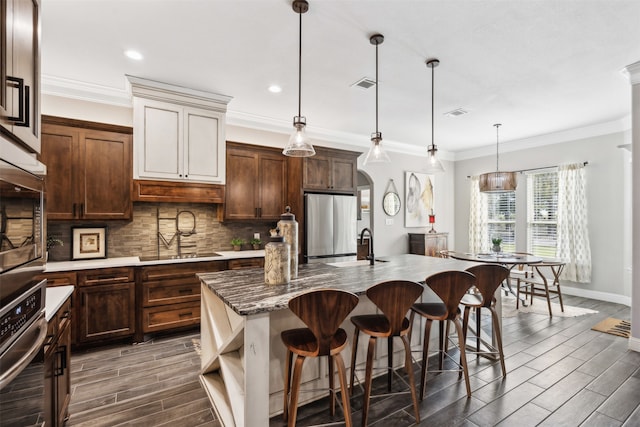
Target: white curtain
[(478, 219), (573, 232)]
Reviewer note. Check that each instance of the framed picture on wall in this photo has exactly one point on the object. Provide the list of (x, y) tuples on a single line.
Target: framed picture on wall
[(89, 243), (419, 191)]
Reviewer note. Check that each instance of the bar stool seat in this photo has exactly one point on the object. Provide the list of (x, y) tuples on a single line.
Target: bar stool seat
[(323, 311), (450, 287), (393, 298)]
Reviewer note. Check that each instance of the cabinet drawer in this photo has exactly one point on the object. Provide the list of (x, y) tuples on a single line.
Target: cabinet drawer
[(237, 264), (170, 317), (170, 292), (105, 276), (59, 279), (58, 322), (174, 271)]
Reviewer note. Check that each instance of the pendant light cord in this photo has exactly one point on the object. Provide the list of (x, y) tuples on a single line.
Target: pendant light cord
[(497, 125), (432, 96), (376, 88), (300, 66)]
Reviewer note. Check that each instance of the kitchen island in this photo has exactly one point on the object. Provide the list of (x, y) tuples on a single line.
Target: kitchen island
[(242, 358)]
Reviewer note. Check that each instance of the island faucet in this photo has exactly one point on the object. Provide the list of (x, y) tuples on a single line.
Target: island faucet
[(370, 257)]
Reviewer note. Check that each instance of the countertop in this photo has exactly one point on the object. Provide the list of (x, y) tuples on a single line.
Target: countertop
[(246, 293), (55, 297), (52, 267)]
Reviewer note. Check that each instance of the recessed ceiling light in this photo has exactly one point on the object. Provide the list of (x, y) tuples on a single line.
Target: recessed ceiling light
[(133, 54), (275, 89), (455, 113)]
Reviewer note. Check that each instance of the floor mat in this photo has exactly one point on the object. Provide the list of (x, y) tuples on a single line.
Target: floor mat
[(621, 328)]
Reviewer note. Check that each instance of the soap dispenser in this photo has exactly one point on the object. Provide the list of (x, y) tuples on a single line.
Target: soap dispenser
[(277, 261), (289, 229)]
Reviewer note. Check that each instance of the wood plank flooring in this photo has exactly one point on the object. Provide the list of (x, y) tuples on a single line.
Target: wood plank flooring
[(560, 373)]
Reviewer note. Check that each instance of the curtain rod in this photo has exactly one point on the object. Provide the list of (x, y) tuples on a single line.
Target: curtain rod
[(538, 169)]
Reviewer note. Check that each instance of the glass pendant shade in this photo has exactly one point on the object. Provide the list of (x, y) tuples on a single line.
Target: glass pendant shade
[(498, 182), (299, 144), (376, 153), (434, 165)]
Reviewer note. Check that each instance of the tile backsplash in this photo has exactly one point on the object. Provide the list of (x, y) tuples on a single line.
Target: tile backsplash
[(153, 231)]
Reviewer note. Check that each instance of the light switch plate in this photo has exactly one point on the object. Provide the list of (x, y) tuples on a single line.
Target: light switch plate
[(389, 221)]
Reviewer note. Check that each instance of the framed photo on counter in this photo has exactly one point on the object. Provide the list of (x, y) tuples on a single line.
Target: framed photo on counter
[(89, 243)]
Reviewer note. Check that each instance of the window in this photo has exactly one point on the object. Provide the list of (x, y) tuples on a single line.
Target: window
[(501, 219), (542, 215)]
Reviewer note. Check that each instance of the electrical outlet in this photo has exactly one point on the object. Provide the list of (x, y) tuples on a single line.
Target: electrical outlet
[(256, 236), (389, 221)]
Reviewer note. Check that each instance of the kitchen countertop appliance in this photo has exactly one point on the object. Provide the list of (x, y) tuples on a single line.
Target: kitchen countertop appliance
[(23, 327), (331, 223)]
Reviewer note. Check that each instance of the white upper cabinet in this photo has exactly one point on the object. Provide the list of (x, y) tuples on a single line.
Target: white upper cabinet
[(178, 133)]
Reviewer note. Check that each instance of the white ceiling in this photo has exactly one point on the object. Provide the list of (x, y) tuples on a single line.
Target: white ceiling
[(536, 66)]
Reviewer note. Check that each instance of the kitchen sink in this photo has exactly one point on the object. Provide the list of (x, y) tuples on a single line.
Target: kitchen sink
[(357, 263)]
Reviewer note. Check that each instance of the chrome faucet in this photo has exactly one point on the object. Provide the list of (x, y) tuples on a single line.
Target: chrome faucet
[(370, 257)]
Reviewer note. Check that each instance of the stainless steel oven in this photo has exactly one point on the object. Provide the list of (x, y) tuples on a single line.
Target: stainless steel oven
[(23, 327)]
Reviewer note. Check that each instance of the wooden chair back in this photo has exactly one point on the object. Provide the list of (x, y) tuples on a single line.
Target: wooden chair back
[(394, 298), (323, 310), (489, 277), (451, 286), (553, 267)]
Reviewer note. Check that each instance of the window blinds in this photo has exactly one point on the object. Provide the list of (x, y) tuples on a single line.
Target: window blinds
[(501, 219), (542, 213)]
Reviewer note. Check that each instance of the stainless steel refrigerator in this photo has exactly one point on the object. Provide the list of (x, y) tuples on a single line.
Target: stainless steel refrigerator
[(331, 223)]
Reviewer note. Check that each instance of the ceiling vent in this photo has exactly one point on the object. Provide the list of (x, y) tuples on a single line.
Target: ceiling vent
[(455, 113), (364, 83)]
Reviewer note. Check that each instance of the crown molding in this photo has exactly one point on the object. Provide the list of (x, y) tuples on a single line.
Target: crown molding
[(89, 92), (632, 72)]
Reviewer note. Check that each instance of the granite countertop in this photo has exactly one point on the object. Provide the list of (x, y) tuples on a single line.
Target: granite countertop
[(136, 261), (246, 293)]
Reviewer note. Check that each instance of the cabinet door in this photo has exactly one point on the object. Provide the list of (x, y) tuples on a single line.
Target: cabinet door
[(272, 186), (63, 376), (344, 174), (105, 186), (20, 70), (158, 139), (106, 312), (241, 185), (316, 174), (204, 145), (59, 146)]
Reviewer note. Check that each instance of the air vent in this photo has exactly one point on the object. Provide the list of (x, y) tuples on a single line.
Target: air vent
[(456, 112), (364, 83)]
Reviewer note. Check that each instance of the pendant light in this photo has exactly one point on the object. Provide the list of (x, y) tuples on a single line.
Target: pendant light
[(498, 182), (299, 144), (434, 165), (376, 153)]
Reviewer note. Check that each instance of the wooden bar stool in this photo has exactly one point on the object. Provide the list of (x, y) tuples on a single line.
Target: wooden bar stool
[(322, 311), (393, 298), (489, 277), (450, 287)]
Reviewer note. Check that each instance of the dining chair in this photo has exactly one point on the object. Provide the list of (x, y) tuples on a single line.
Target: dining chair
[(323, 311), (489, 278), (543, 281), (450, 287), (394, 299)]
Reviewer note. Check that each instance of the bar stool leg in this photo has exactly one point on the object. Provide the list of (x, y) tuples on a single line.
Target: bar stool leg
[(287, 383), (342, 375), (367, 380), (295, 390), (498, 335), (354, 351), (463, 356), (409, 368), (478, 309), (389, 362), (332, 392), (425, 356)]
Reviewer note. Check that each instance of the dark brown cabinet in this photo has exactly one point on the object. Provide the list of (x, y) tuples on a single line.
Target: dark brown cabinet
[(242, 263), (20, 71), (331, 171), (256, 184), (430, 244), (89, 170), (170, 295), (106, 304), (57, 366)]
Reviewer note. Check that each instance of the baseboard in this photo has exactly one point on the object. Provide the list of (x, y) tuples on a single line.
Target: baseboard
[(601, 296), (634, 344)]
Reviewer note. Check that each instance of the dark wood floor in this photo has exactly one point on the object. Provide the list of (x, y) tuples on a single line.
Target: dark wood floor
[(560, 373)]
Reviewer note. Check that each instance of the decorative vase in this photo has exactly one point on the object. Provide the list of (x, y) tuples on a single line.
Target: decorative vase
[(237, 247), (256, 246), (289, 229), (277, 262), (496, 248)]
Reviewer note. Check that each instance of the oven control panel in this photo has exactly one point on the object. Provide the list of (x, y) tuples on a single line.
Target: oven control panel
[(20, 316)]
